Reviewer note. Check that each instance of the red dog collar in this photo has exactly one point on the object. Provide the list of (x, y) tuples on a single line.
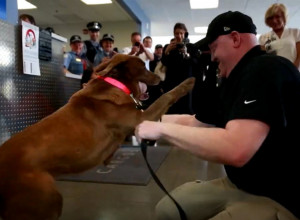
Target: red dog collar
[(115, 83)]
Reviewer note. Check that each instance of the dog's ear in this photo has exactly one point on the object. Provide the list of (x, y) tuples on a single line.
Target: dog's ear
[(105, 67)]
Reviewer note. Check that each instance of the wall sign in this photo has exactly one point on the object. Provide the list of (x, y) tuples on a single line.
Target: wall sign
[(30, 46)]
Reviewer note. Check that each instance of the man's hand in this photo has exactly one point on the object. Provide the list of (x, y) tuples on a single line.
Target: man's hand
[(148, 130), (171, 46), (134, 50)]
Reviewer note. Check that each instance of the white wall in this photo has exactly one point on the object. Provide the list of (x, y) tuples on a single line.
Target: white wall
[(166, 39)]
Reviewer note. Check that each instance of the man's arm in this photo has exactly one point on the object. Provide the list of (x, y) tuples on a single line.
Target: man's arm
[(67, 60), (184, 119), (134, 50), (233, 145), (148, 53), (65, 70)]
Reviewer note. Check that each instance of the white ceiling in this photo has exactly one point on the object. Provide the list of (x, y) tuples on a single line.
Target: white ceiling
[(54, 12), (163, 14)]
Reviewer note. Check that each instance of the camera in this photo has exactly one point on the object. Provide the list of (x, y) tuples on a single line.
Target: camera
[(137, 44), (182, 46)]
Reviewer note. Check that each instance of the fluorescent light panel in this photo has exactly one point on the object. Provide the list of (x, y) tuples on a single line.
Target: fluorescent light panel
[(202, 4), (23, 4), (96, 2), (200, 30)]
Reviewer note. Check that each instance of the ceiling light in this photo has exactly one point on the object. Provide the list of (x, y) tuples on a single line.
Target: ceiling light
[(23, 4), (96, 2), (201, 4), (200, 30)]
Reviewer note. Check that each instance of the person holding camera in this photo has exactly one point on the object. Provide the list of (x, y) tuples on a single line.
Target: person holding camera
[(178, 65), (138, 49), (281, 40)]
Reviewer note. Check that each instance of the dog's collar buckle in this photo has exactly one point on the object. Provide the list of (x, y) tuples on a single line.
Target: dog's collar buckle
[(138, 104)]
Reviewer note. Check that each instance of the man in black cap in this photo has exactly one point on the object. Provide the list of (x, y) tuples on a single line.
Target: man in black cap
[(255, 133), (74, 62), (92, 46)]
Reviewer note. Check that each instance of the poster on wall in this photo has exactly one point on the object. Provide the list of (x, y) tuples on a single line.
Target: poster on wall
[(30, 46)]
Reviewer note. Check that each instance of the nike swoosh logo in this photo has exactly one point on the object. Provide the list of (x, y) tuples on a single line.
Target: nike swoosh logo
[(248, 102)]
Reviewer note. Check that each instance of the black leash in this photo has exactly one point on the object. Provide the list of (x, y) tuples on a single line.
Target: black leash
[(144, 145)]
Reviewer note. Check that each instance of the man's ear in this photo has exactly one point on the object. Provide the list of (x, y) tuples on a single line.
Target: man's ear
[(236, 38)]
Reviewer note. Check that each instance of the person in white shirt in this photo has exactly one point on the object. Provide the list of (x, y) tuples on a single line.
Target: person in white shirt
[(147, 41), (281, 40), (138, 49)]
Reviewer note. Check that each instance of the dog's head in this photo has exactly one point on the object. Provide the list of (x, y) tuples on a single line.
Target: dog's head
[(130, 70)]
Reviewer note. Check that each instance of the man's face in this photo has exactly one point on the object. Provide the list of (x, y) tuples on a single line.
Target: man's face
[(220, 52), (147, 42), (107, 45), (76, 47), (94, 35), (158, 52), (179, 35), (135, 38)]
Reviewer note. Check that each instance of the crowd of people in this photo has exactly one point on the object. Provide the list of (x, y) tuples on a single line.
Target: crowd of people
[(250, 124), (172, 61), (96, 50)]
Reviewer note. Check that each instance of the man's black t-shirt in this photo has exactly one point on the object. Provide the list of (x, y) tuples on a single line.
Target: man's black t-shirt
[(266, 88)]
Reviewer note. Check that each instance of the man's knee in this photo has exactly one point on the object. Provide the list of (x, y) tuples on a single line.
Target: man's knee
[(166, 210), (198, 199)]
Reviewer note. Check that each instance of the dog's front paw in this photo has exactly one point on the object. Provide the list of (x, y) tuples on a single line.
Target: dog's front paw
[(186, 86), (182, 89), (189, 83)]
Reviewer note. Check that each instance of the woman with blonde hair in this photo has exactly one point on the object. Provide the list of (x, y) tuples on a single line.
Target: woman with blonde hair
[(281, 40)]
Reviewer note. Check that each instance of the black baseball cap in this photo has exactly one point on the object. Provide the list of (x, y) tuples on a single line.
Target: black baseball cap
[(94, 26), (227, 22), (75, 38), (108, 37), (158, 46)]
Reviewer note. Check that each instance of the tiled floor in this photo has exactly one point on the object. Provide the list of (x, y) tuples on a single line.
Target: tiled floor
[(93, 201)]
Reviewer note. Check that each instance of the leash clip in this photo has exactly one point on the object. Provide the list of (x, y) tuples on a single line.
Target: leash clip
[(138, 104)]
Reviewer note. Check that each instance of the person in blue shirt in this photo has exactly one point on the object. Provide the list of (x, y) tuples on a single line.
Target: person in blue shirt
[(74, 62), (107, 45)]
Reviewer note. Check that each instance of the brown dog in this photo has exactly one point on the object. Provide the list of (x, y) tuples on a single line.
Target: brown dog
[(80, 135)]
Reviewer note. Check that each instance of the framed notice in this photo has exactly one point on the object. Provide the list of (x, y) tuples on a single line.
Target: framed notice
[(30, 48)]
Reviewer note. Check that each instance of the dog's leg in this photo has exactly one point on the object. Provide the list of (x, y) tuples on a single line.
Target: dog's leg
[(164, 102), (32, 196)]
